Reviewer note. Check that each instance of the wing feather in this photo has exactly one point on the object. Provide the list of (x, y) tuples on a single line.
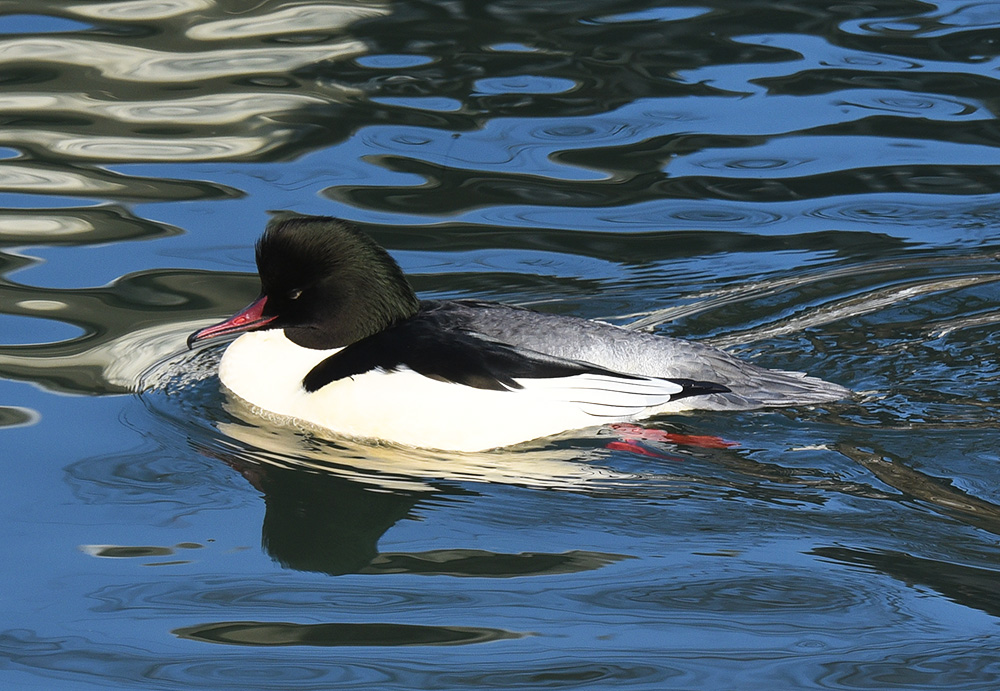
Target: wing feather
[(605, 396), (470, 359)]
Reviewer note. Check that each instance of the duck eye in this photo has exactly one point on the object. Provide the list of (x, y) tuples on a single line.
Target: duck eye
[(294, 293)]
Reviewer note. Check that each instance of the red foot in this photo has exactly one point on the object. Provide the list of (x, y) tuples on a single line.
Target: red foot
[(629, 431), (632, 447)]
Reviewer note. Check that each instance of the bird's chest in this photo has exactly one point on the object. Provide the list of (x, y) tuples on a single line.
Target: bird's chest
[(266, 369)]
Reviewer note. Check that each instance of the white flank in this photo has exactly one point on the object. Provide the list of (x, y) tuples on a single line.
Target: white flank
[(266, 370)]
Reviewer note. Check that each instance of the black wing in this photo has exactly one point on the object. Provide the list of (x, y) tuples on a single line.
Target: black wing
[(462, 358), (429, 346)]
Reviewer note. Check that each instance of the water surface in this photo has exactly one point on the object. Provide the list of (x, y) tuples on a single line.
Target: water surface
[(811, 187)]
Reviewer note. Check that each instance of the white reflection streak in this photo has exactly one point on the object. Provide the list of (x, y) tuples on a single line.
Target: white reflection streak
[(119, 149), (42, 305), (311, 18), (47, 226), (943, 328), (191, 149), (214, 109), (130, 63), (20, 177), (122, 361), (211, 109), (140, 9), (29, 416)]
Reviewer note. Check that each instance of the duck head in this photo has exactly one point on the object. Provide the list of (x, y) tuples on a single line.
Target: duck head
[(323, 281)]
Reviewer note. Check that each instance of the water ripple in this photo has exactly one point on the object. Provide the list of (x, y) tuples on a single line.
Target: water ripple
[(648, 216), (139, 10), (960, 666), (246, 673), (67, 180), (268, 634), (135, 64), (128, 326), (17, 416), (523, 84), (946, 21), (207, 595), (964, 663), (883, 211), (133, 148), (20, 177), (764, 601), (303, 18), (206, 109), (867, 303), (39, 224), (968, 585), (922, 105), (428, 103), (566, 675), (657, 14), (779, 158)]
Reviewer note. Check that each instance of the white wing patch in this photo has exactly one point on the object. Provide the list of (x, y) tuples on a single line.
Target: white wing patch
[(604, 396)]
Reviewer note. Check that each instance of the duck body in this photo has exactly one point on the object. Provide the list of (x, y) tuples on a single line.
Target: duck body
[(342, 345)]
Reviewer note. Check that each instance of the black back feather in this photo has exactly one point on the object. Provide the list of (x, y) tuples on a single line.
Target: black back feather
[(430, 346), (456, 357)]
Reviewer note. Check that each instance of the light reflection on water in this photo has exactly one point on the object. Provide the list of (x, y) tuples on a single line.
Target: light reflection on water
[(811, 187)]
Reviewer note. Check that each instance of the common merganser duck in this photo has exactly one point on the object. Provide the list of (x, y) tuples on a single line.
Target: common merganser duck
[(338, 340)]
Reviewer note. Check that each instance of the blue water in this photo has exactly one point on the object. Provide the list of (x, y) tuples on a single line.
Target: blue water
[(811, 187)]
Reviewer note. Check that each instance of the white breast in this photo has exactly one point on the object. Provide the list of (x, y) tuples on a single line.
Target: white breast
[(266, 370)]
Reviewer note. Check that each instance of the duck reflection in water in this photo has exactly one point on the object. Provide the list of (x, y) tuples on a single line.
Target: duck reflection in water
[(321, 522), (327, 507), (331, 521), (329, 524)]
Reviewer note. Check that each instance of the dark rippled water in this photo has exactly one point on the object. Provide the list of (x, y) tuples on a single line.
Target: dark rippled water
[(811, 185)]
